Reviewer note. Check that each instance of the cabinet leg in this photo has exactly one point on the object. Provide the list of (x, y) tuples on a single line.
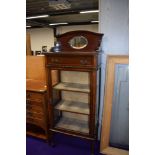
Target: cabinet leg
[(47, 135), (51, 139), (92, 147)]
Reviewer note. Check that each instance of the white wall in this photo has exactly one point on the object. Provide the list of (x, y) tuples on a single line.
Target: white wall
[(41, 37), (45, 37), (114, 23), (63, 29)]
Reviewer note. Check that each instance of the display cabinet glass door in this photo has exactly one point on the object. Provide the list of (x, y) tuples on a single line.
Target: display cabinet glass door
[(71, 101)]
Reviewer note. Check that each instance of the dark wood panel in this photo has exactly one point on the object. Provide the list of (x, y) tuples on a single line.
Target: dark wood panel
[(70, 60)]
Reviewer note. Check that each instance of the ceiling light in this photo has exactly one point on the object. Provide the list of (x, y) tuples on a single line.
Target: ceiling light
[(95, 21), (59, 4), (41, 16), (58, 23), (90, 11), (28, 26)]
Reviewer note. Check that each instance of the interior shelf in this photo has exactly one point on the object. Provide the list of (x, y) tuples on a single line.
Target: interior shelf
[(73, 124), (72, 87), (72, 106)]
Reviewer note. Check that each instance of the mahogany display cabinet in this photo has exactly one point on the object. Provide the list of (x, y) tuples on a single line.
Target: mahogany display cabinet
[(73, 95)]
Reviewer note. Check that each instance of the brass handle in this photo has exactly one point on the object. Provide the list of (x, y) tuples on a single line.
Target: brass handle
[(68, 67), (55, 60), (83, 62)]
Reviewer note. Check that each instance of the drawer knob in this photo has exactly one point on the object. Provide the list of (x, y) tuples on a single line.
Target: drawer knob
[(83, 62), (54, 60)]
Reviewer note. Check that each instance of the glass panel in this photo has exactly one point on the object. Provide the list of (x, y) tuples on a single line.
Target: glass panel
[(78, 42), (73, 81), (71, 101), (119, 133), (74, 122)]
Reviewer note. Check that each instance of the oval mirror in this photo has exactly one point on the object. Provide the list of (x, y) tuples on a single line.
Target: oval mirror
[(78, 42)]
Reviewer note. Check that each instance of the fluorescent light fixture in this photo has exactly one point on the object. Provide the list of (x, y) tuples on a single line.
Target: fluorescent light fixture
[(41, 16), (95, 21), (58, 23), (90, 11), (28, 26)]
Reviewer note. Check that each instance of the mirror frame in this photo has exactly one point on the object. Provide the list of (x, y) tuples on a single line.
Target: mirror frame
[(80, 39)]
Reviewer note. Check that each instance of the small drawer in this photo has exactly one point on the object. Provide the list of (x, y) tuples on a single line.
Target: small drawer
[(34, 114), (34, 96), (34, 103), (35, 121), (33, 108), (70, 60)]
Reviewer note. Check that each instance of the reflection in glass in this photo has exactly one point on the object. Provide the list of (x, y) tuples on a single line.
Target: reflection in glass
[(78, 42), (119, 131)]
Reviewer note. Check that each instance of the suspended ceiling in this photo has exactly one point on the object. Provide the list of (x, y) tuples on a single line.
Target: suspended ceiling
[(66, 11)]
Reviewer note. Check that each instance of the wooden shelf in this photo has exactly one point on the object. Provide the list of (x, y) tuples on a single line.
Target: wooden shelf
[(72, 87), (72, 106), (73, 125)]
